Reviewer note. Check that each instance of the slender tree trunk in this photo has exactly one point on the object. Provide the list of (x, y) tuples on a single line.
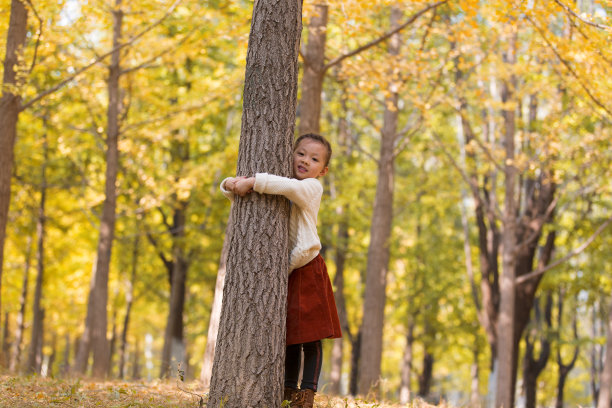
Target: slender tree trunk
[(426, 375), (136, 374), (10, 106), (406, 370), (129, 299), (475, 384), (605, 387), (215, 313), (65, 366), (355, 352), (249, 359), (312, 79), (23, 298), (380, 233), (532, 366), (6, 346), (112, 343), (94, 337), (506, 345), (173, 352), (35, 353), (597, 351)]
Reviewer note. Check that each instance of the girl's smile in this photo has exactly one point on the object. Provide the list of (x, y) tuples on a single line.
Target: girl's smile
[(309, 159)]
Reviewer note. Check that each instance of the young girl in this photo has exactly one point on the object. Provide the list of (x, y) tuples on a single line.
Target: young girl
[(311, 309)]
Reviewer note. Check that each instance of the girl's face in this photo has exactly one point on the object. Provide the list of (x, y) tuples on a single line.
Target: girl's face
[(309, 159)]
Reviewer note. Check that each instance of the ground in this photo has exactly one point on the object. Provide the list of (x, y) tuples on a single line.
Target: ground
[(32, 391)]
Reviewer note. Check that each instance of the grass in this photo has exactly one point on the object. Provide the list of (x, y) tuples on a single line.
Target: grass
[(34, 391)]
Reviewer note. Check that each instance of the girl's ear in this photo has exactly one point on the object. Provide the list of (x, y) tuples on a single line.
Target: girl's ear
[(324, 171)]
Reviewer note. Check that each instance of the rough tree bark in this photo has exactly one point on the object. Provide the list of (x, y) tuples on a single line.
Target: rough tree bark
[(249, 359), (10, 106), (35, 353), (94, 336), (378, 251)]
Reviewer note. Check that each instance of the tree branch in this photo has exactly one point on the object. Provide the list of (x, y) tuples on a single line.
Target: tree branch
[(573, 13), (569, 68), (383, 37), (573, 253), (40, 26), (100, 58)]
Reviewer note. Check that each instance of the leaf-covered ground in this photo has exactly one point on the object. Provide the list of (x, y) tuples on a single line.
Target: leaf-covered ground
[(25, 392)]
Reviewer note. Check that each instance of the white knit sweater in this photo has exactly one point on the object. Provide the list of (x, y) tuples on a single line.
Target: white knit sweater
[(305, 196)]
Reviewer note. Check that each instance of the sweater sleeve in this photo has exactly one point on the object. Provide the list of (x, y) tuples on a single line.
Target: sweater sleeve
[(303, 193), (226, 193)]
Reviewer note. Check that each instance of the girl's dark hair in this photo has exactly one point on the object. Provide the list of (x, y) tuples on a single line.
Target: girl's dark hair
[(317, 138)]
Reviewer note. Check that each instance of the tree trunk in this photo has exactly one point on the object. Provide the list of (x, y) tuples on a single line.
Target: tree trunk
[(129, 300), (355, 352), (312, 79), (215, 313), (35, 353), (532, 366), (23, 298), (406, 370), (426, 374), (506, 345), (605, 387), (173, 352), (249, 359), (136, 375), (5, 341), (10, 106), (65, 366), (94, 336), (112, 343), (380, 233)]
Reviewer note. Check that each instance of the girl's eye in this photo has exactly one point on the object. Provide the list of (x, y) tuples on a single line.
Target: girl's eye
[(314, 159)]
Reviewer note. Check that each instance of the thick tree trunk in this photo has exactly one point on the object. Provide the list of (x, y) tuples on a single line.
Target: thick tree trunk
[(406, 370), (605, 387), (35, 353), (249, 359), (215, 313), (312, 79), (10, 106), (94, 337), (23, 298), (380, 233)]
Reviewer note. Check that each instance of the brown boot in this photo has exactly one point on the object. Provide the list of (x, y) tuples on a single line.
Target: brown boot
[(304, 399), (290, 394)]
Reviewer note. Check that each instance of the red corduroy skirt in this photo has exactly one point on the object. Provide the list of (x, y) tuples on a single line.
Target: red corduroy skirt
[(311, 308)]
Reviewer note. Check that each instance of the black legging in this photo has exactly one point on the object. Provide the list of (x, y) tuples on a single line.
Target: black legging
[(313, 358)]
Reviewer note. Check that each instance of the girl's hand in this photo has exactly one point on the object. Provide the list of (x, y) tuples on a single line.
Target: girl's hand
[(230, 183), (243, 185)]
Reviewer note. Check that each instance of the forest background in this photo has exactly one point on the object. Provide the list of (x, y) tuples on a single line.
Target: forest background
[(469, 138)]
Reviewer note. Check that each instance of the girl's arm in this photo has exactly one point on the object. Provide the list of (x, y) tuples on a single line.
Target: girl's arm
[(301, 192)]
